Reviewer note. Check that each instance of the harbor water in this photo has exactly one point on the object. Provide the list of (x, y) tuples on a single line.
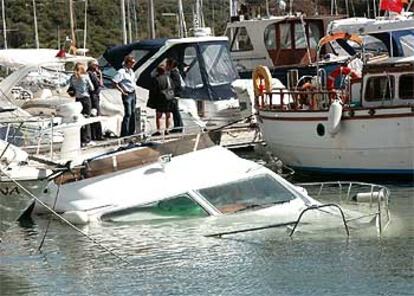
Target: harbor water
[(175, 258)]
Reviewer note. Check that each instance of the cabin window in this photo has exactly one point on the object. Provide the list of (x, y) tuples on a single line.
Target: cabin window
[(314, 35), (241, 40), (254, 192), (192, 77), (379, 88), (140, 56), (180, 206), (218, 63), (300, 36), (270, 37), (285, 36), (405, 42), (406, 88)]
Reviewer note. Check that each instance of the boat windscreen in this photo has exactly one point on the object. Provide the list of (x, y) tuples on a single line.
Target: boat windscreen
[(179, 206), (253, 192), (218, 63)]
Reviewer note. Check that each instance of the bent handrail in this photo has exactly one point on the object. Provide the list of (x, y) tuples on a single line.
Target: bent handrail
[(317, 207)]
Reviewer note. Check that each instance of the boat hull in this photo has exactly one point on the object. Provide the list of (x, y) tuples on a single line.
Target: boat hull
[(14, 201), (368, 141)]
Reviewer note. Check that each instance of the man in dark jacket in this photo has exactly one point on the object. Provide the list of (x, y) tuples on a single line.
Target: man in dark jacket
[(178, 82)]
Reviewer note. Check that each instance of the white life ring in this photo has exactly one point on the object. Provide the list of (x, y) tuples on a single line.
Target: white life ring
[(259, 75), (334, 117)]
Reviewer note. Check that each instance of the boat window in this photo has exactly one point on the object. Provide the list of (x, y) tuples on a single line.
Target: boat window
[(300, 36), (371, 44), (270, 37), (241, 40), (379, 88), (180, 206), (218, 63), (405, 42), (139, 56), (192, 75), (44, 82), (285, 36), (315, 35), (406, 88), (252, 192)]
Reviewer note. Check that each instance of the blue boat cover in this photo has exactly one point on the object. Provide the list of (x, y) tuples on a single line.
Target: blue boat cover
[(205, 66)]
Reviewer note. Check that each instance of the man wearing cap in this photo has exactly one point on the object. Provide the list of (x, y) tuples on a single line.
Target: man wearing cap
[(124, 81)]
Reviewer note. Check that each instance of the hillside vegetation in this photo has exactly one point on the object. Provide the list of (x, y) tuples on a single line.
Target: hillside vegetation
[(104, 25)]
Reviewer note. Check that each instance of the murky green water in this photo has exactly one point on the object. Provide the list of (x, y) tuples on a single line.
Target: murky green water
[(174, 258)]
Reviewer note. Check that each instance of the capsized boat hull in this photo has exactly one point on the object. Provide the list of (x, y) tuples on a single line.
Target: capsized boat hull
[(380, 143)]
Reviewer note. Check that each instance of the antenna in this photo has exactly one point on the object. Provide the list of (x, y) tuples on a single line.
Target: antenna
[(3, 16)]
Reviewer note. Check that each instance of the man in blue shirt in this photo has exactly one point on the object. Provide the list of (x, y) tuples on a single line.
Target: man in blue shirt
[(124, 81)]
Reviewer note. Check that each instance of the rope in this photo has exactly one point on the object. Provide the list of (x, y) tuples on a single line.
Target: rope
[(48, 222), (230, 124), (63, 219)]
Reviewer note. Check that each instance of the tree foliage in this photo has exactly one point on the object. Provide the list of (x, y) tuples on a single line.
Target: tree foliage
[(104, 25)]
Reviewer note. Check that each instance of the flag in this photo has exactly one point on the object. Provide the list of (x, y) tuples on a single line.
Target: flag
[(392, 5)]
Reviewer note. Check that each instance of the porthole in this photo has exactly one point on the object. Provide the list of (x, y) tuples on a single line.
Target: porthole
[(320, 129)]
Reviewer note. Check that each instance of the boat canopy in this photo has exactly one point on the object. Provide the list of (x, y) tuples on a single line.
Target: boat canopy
[(204, 63), (388, 35)]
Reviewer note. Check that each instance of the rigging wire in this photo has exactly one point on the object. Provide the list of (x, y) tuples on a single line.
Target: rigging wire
[(50, 218)]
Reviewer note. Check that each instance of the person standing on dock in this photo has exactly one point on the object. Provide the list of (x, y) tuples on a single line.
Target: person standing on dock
[(178, 83), (95, 76), (160, 97), (82, 86), (124, 81)]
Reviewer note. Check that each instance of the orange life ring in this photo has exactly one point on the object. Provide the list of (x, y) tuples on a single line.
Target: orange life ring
[(339, 71)]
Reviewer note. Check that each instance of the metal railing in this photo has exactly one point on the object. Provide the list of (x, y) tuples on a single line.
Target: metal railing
[(287, 99), (374, 196)]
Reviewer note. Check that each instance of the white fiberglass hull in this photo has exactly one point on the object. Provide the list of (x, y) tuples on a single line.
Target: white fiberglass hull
[(14, 200), (382, 142)]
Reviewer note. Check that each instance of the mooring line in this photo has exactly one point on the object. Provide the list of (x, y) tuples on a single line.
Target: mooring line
[(64, 220)]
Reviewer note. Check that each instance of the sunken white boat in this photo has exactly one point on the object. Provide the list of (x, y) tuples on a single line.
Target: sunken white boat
[(196, 181)]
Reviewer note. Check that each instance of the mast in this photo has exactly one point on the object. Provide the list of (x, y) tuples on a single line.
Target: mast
[(124, 33), (134, 10), (85, 27), (35, 25), (347, 7), (267, 8), (151, 19), (181, 20), (72, 25), (129, 20), (3, 16)]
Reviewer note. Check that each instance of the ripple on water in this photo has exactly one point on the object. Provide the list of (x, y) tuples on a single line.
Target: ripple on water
[(173, 258)]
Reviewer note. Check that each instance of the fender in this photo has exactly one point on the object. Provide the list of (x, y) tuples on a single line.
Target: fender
[(334, 117)]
